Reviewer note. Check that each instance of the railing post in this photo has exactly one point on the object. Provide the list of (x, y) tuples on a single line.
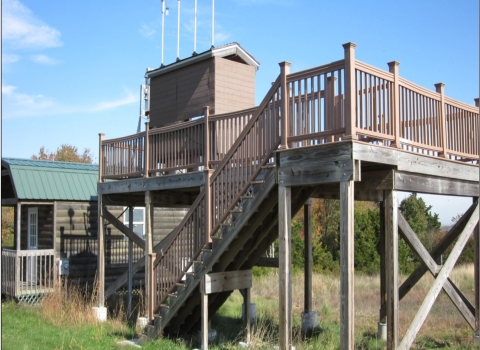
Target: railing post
[(206, 151), (208, 206), (350, 92), (100, 157), (284, 71), (440, 88), (395, 109), (147, 150)]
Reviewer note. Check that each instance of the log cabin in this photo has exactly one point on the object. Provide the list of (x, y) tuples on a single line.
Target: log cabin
[(55, 219)]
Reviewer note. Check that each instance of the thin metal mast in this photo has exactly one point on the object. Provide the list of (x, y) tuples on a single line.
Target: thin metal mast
[(178, 32)]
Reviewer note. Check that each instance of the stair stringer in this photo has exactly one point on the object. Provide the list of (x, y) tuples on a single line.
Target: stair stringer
[(255, 246), (220, 244)]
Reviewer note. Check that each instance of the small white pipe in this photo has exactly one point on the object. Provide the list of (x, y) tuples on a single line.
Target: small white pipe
[(195, 29), (178, 32), (213, 23), (163, 28)]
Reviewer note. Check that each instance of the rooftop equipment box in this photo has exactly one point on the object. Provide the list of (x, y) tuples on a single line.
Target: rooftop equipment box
[(222, 78)]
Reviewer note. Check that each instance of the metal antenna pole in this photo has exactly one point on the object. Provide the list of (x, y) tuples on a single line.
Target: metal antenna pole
[(195, 29), (163, 28), (213, 23), (178, 32)]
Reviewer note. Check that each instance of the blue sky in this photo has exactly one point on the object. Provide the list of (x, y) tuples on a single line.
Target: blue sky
[(72, 69)]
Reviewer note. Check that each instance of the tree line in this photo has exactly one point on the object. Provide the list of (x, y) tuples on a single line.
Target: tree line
[(326, 235)]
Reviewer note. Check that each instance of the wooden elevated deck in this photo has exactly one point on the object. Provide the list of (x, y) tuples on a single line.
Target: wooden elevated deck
[(345, 130)]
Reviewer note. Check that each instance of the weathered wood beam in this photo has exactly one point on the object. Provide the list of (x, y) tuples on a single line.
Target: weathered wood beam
[(315, 172), (435, 185), (164, 199), (217, 282), (391, 268), (457, 297), (285, 264), (427, 304), (166, 182), (122, 228), (347, 312), (415, 163)]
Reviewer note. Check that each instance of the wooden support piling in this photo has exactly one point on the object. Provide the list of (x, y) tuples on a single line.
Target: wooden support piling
[(284, 273), (391, 267), (308, 258), (347, 312)]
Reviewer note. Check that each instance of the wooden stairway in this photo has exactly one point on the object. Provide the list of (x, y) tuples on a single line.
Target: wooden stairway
[(239, 245)]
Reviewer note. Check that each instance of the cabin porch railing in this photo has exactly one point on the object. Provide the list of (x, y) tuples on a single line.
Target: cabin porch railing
[(27, 272)]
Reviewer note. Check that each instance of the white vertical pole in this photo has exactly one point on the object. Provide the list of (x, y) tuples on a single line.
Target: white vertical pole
[(163, 29), (213, 23), (195, 29), (178, 31)]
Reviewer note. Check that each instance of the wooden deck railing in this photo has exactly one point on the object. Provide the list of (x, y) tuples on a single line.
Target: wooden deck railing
[(28, 272), (323, 105)]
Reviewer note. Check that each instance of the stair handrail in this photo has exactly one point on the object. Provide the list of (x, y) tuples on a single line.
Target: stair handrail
[(166, 284)]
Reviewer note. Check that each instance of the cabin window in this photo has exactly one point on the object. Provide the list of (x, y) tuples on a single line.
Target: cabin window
[(138, 220), (32, 228)]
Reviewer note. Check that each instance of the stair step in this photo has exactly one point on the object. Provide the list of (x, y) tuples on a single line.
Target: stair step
[(181, 285), (236, 210), (247, 197), (200, 262), (165, 306), (173, 295), (257, 182)]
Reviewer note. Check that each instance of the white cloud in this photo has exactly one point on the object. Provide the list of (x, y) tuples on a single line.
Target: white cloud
[(129, 99), (9, 58), (24, 30), (17, 104), (147, 31), (8, 89), (22, 104), (44, 59)]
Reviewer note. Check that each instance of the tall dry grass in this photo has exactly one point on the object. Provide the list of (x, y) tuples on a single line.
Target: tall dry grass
[(443, 326), (72, 304)]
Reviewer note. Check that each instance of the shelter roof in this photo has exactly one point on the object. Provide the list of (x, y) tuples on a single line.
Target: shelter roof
[(28, 179)]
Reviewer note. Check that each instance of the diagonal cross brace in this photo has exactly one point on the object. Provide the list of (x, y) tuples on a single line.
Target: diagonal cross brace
[(463, 305), (437, 286), (124, 229), (416, 275)]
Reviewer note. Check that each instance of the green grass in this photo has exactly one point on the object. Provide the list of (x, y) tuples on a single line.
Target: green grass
[(67, 324)]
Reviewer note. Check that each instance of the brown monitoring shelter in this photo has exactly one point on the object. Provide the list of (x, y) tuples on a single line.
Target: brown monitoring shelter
[(222, 78)]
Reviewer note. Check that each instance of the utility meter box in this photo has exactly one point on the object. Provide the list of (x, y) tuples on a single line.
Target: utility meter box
[(63, 267)]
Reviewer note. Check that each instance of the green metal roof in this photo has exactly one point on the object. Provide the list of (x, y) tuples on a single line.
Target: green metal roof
[(50, 180)]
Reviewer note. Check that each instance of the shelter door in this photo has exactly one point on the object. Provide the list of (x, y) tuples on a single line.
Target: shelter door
[(32, 244)]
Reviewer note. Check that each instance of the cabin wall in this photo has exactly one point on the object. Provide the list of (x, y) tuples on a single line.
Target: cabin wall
[(76, 238), (234, 86), (45, 226)]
